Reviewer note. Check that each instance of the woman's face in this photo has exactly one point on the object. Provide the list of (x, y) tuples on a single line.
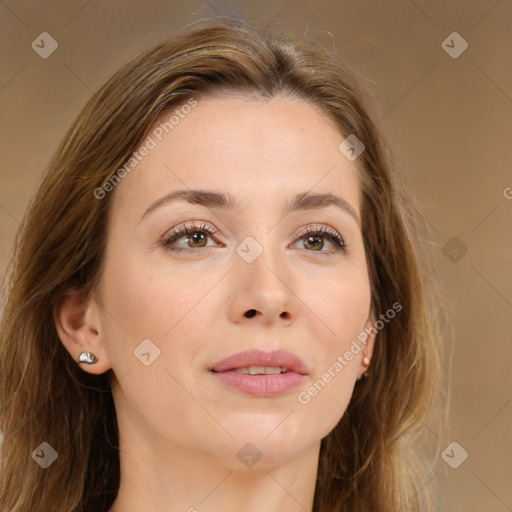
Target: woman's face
[(173, 307)]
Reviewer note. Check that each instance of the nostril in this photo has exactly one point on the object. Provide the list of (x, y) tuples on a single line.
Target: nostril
[(250, 313)]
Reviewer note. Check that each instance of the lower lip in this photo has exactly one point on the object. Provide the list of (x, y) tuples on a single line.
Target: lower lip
[(262, 386)]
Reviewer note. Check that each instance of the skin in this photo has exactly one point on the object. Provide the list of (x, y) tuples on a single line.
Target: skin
[(180, 430)]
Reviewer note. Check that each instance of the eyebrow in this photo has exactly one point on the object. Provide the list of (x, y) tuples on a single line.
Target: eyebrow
[(301, 202)]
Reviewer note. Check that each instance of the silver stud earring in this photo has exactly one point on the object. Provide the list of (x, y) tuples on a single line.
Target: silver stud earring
[(87, 358)]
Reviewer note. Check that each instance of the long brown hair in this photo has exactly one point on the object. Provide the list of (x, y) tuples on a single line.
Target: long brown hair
[(372, 460)]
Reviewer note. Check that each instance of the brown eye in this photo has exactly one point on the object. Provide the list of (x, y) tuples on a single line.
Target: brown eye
[(313, 240), (195, 237)]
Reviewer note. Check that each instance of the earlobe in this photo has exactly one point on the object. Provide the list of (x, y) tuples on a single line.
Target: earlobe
[(77, 324), (368, 347)]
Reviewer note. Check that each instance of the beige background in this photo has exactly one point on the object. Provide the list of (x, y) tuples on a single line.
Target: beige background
[(448, 119)]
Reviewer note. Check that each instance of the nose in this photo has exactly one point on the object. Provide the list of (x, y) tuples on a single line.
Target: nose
[(262, 289)]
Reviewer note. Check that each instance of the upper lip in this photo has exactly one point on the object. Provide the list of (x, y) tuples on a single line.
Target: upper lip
[(254, 357)]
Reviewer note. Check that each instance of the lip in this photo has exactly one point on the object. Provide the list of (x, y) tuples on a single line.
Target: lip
[(290, 362), (263, 386)]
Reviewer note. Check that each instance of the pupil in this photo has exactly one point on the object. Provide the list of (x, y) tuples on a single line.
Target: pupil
[(310, 238), (197, 237)]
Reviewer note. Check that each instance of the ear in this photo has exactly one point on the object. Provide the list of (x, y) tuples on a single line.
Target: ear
[(368, 345), (78, 326)]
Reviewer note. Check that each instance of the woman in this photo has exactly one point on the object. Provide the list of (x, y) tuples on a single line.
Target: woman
[(220, 250)]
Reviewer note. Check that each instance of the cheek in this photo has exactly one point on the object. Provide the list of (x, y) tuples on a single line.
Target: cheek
[(341, 310), (166, 307), (340, 305), (147, 300)]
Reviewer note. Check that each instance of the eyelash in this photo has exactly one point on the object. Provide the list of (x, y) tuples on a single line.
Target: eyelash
[(188, 229)]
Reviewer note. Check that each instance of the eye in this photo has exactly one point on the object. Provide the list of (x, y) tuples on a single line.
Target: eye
[(196, 235), (313, 239)]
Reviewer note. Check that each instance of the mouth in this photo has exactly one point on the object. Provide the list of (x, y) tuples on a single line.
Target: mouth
[(261, 374), (258, 370), (257, 362)]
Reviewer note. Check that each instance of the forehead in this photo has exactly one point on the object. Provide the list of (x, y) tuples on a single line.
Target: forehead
[(257, 150)]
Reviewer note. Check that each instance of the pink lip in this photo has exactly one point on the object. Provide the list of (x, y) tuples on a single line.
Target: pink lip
[(262, 386), (254, 357)]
